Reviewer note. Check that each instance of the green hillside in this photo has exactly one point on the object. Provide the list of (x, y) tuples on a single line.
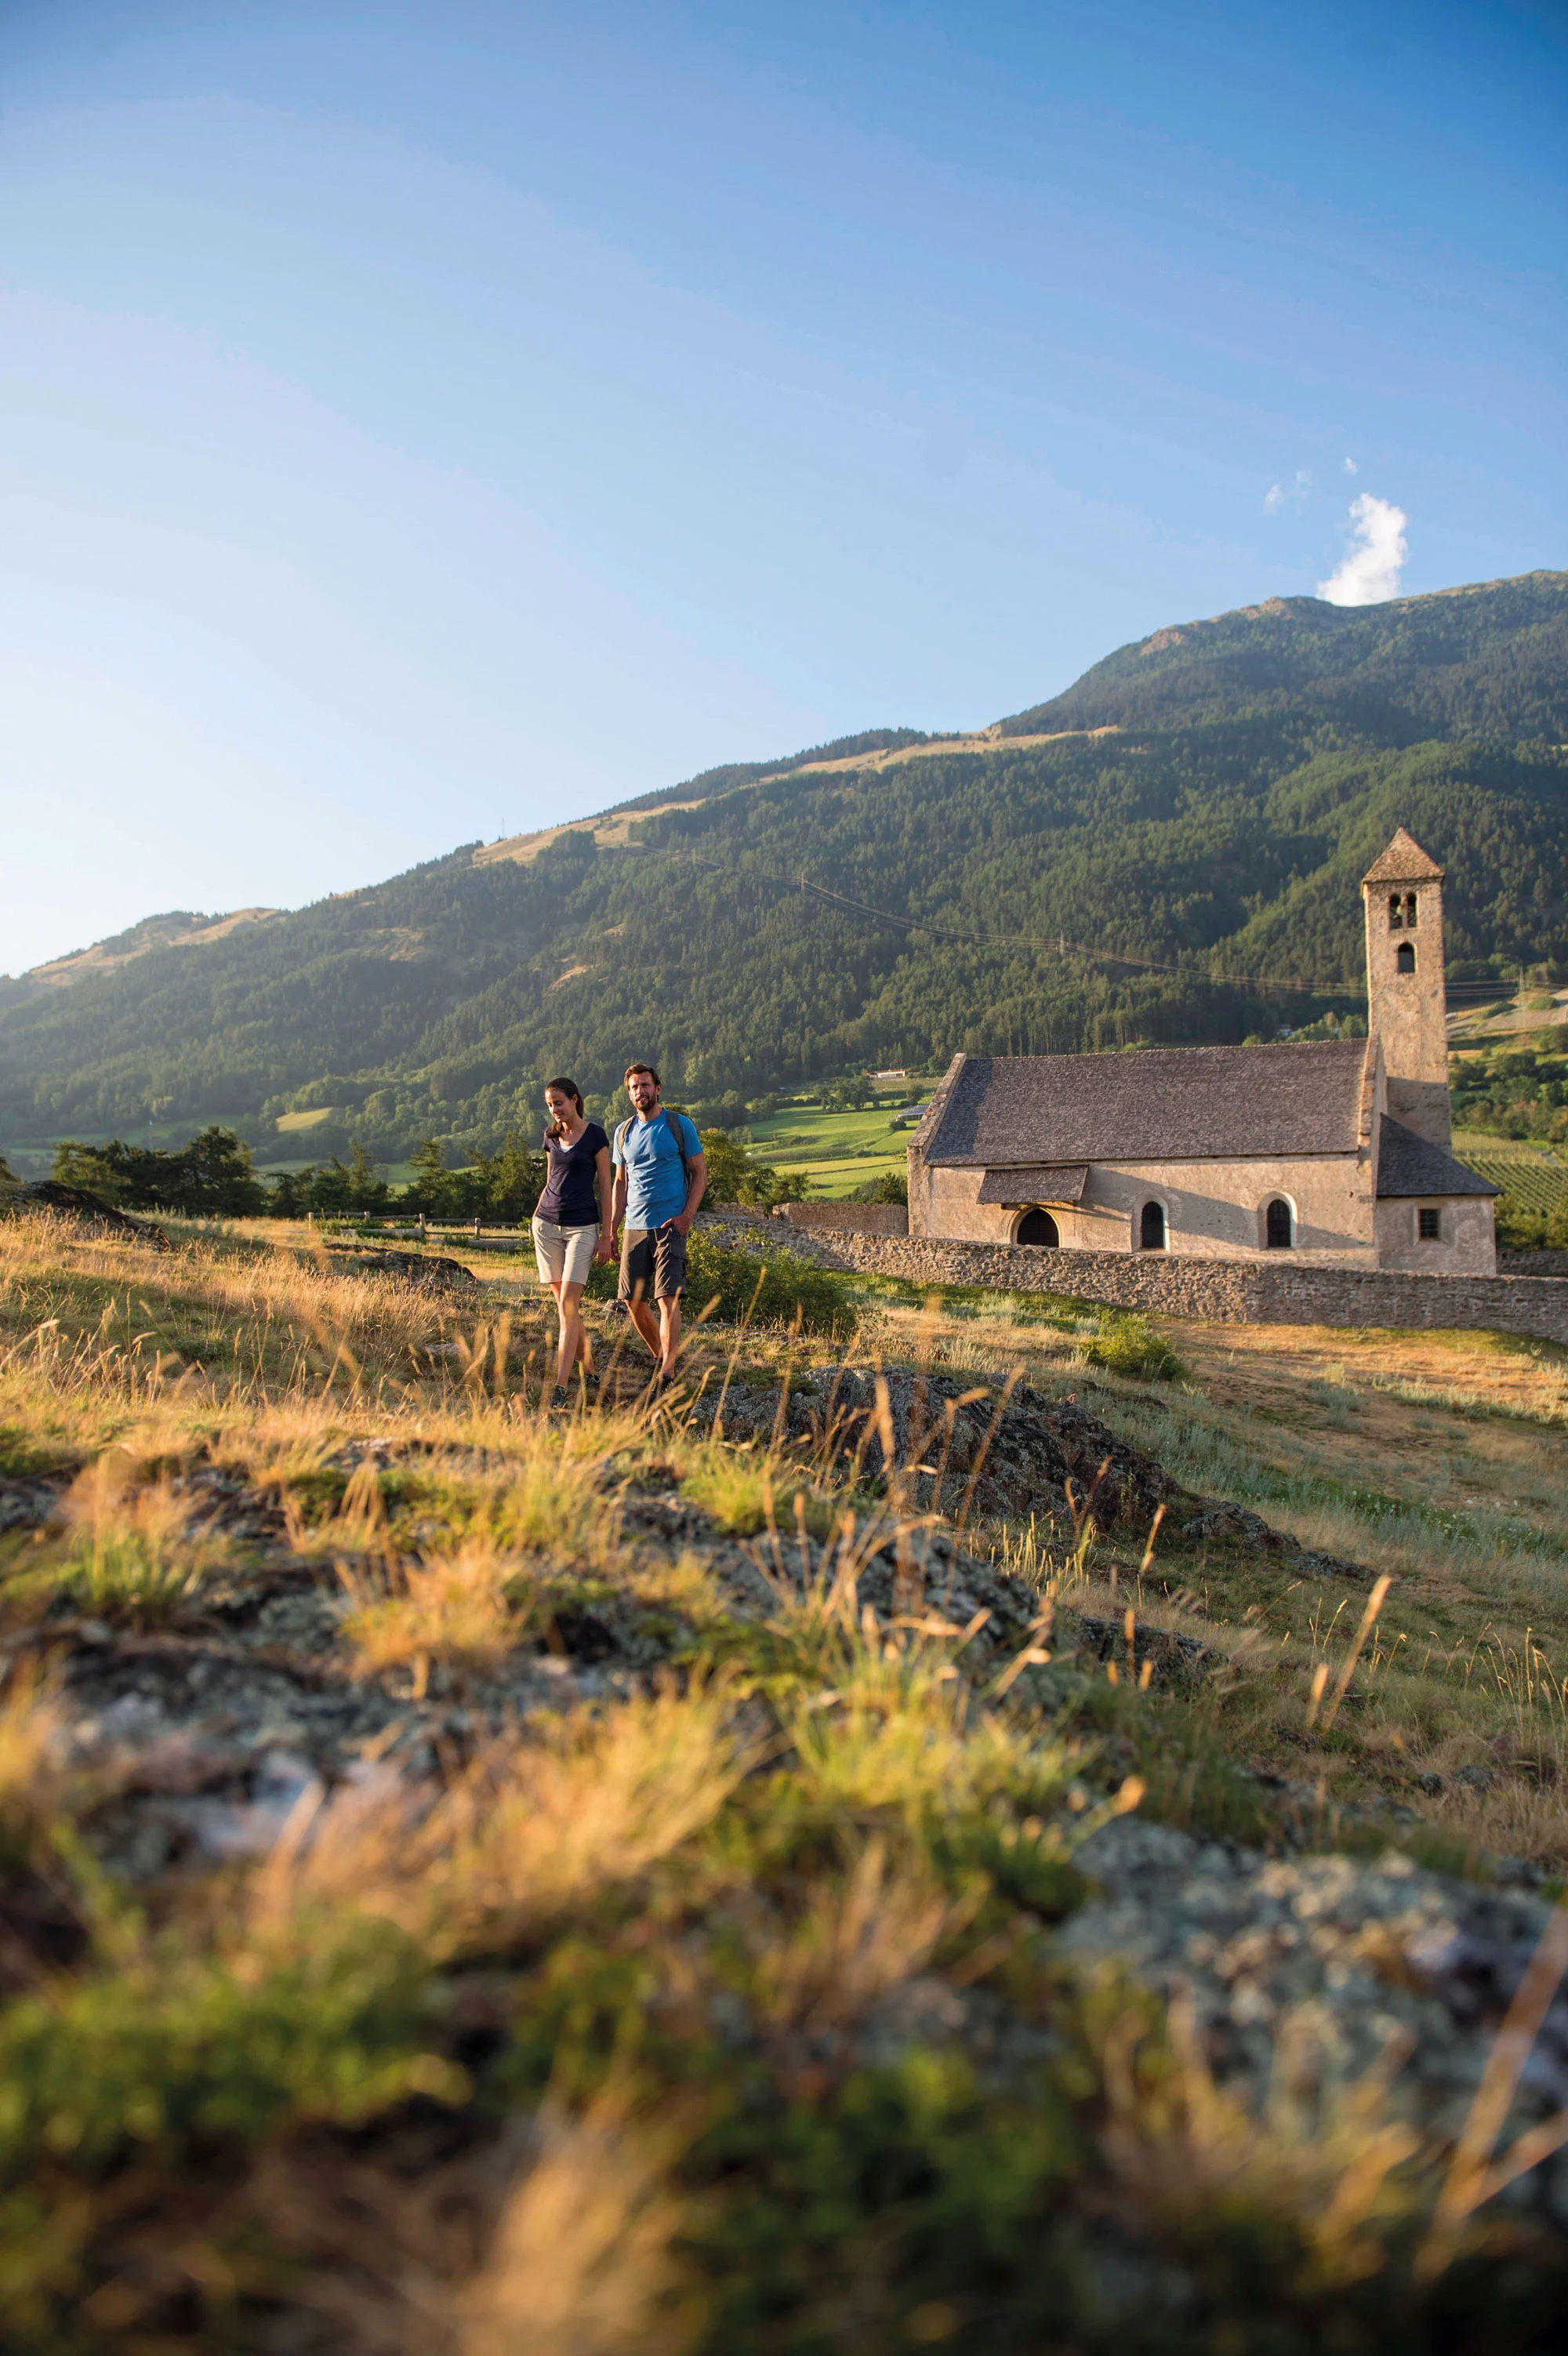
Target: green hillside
[(1487, 661), (1256, 766)]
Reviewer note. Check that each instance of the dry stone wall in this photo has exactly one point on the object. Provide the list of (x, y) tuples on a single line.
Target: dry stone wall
[(1227, 1292), (848, 1218), (1533, 1263)]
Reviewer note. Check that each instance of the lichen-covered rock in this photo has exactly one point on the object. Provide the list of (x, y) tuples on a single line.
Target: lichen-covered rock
[(1317, 1963)]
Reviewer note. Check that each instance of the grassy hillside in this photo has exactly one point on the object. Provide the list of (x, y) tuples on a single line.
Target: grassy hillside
[(635, 1883), (1168, 879)]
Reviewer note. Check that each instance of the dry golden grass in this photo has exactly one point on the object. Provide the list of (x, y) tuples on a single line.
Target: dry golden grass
[(852, 1804), (1329, 2159), (857, 1938), (33, 1779), (453, 1609), (534, 1830), (581, 2261)]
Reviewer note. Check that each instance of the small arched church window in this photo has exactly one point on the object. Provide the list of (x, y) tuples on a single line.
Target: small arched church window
[(1410, 904), (1405, 960), (1395, 905), (1039, 1229), (1276, 1224), (1152, 1228)]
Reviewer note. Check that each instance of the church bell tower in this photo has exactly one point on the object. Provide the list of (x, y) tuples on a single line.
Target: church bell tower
[(1407, 1005)]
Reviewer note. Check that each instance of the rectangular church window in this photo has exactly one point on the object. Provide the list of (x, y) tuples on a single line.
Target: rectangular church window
[(1429, 1226)]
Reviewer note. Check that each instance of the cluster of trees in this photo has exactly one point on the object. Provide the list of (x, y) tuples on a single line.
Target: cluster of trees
[(734, 1177), (1514, 1090), (214, 1175), (1222, 833), (502, 1188)]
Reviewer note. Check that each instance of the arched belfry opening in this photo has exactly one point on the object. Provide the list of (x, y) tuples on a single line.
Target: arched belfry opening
[(1038, 1227), (1151, 1227)]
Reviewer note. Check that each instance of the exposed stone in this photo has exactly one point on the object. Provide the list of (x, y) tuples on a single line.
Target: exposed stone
[(960, 1449), (850, 1218), (28, 1503), (89, 1209), (1332, 1956), (426, 1271)]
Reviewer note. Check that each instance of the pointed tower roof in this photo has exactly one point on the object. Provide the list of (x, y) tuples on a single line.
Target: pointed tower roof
[(1403, 862)]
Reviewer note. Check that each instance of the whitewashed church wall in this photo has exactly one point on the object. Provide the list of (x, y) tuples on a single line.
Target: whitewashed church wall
[(1466, 1245), (1214, 1210)]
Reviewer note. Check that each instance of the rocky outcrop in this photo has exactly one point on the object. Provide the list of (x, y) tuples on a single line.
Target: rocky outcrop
[(978, 1454), (79, 1203), (426, 1271)]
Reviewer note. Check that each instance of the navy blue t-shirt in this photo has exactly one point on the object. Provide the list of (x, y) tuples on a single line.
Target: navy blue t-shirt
[(568, 1198)]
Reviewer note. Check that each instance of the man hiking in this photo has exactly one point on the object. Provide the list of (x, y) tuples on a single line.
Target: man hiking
[(660, 1177)]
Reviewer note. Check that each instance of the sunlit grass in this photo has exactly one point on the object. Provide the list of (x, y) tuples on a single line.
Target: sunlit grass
[(635, 2018)]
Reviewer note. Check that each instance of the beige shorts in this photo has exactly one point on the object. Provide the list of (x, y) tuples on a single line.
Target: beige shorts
[(564, 1255)]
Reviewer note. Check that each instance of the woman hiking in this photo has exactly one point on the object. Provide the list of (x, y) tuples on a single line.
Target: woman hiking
[(570, 1228)]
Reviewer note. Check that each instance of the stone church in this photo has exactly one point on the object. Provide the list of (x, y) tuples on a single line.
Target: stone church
[(1338, 1150)]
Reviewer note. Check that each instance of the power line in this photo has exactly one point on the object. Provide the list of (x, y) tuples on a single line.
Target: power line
[(1059, 947)]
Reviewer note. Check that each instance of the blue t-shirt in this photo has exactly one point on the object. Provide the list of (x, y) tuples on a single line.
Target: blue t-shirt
[(656, 1184)]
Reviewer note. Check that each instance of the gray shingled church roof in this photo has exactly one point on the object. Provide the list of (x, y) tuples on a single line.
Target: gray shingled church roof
[(1168, 1104), (1409, 1164)]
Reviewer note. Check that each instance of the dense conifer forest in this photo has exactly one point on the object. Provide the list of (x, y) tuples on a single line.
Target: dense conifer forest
[(1190, 872)]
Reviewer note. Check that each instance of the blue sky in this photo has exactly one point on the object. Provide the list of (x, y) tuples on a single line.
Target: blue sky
[(422, 422)]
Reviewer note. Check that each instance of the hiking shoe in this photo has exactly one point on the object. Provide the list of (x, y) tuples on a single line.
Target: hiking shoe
[(558, 1398)]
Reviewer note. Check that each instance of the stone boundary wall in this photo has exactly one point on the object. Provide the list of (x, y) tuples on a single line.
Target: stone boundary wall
[(848, 1218), (1533, 1263), (1225, 1292)]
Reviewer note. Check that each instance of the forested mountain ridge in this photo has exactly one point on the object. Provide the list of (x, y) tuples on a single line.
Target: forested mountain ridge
[(1258, 764), (1489, 660)]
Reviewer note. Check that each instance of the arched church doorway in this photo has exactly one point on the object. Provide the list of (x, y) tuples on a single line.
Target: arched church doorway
[(1276, 1224), (1151, 1227), (1039, 1229)]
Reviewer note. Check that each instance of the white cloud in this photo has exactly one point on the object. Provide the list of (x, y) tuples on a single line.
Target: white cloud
[(1276, 495), (1369, 570), (1352, 467)]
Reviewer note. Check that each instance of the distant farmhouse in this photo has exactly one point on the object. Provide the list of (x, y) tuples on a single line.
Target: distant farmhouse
[(1338, 1150)]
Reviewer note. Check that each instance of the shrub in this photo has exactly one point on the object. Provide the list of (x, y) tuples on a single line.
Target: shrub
[(891, 1187), (771, 1291), (1521, 1228), (172, 2047), (1128, 1344)]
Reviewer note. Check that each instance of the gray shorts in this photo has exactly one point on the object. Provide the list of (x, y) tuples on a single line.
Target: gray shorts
[(564, 1255), (652, 1263)]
